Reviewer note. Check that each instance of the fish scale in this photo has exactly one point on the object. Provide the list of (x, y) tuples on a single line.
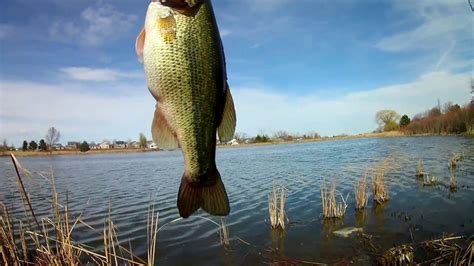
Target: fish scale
[(185, 70)]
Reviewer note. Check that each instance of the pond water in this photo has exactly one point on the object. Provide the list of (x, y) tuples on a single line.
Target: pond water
[(127, 182)]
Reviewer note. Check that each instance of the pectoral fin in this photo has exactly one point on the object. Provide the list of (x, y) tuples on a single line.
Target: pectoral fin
[(226, 129), (139, 44), (163, 135)]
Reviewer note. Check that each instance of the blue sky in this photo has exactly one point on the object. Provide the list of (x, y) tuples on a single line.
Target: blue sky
[(301, 65)]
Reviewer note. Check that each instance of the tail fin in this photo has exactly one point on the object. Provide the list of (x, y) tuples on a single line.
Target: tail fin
[(211, 198)]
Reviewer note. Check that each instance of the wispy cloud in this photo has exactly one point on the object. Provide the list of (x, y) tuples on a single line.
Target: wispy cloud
[(225, 32), (266, 6), (5, 30), (431, 34), (98, 74), (441, 34), (95, 25)]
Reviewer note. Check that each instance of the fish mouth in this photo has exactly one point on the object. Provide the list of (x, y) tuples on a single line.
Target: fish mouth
[(185, 7)]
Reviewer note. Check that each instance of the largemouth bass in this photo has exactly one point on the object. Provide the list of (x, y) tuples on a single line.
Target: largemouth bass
[(184, 63)]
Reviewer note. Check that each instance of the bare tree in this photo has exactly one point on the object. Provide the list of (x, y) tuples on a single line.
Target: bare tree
[(283, 135), (387, 119), (240, 136), (52, 138)]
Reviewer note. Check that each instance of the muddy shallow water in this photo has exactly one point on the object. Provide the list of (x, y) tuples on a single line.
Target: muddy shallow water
[(414, 212)]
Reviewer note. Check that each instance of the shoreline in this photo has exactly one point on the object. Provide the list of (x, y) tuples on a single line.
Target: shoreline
[(392, 134)]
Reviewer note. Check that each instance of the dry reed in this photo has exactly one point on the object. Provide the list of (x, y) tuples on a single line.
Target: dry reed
[(276, 207), (361, 194), (400, 255), (449, 252), (453, 183), (420, 172), (152, 231), (331, 207), (455, 160), (433, 181), (379, 190), (49, 241), (224, 234)]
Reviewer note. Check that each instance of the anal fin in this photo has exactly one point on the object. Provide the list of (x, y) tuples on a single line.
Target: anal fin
[(163, 135)]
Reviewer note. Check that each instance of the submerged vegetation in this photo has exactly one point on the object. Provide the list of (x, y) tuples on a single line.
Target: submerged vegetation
[(276, 207)]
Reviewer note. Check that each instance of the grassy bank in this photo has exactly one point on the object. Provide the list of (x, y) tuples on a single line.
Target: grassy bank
[(389, 134), (71, 152)]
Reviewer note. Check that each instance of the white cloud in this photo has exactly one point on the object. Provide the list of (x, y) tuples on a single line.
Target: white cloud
[(96, 25), (82, 112), (98, 74), (267, 110)]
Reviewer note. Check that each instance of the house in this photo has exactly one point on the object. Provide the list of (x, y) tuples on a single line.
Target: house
[(233, 142), (120, 145), (94, 146), (134, 145), (58, 146), (72, 145), (151, 145), (105, 145)]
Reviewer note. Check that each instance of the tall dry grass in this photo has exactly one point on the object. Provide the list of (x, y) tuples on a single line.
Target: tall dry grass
[(276, 207), (361, 193), (331, 207), (455, 160), (430, 181), (49, 240), (420, 171), (224, 234), (379, 189)]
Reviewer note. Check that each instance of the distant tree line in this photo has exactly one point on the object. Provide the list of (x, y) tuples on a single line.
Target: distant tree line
[(279, 136), (447, 119), (4, 147), (450, 119)]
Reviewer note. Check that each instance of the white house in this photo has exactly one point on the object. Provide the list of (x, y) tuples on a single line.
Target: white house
[(134, 145), (105, 145), (120, 145), (233, 142), (151, 145)]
